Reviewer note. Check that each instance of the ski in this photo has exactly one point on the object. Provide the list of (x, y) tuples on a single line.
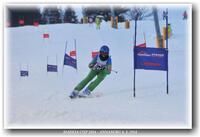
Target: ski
[(94, 95)]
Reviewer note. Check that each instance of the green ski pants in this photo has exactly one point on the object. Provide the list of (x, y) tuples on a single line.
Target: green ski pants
[(98, 26), (100, 77)]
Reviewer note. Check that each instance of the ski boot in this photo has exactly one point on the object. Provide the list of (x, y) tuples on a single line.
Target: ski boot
[(74, 94), (85, 93)]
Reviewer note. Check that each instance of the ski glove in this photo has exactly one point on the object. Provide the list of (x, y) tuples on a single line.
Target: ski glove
[(98, 67), (91, 65)]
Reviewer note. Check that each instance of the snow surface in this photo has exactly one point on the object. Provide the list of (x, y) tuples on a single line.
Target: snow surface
[(41, 100)]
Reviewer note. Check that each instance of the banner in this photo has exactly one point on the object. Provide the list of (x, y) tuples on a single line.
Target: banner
[(94, 53), (72, 53), (24, 73), (151, 58), (70, 61), (21, 22), (143, 45), (45, 35), (8, 24), (52, 68), (36, 23)]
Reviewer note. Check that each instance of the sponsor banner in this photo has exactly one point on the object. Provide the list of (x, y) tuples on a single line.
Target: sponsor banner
[(151, 58)]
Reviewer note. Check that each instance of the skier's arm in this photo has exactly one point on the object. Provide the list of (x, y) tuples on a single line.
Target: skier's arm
[(108, 68), (93, 62)]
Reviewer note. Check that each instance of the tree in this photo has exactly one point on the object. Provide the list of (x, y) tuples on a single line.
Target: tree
[(94, 11), (139, 12), (70, 15), (105, 12), (51, 15), (28, 15), (120, 12)]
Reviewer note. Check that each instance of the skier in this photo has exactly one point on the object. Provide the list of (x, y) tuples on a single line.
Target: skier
[(169, 30), (101, 66), (185, 15), (98, 22), (90, 20)]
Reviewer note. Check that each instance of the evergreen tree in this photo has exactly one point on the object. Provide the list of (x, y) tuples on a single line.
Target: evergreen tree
[(93, 12), (70, 16), (51, 15), (28, 15)]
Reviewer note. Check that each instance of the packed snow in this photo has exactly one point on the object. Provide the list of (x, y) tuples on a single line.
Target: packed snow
[(41, 100)]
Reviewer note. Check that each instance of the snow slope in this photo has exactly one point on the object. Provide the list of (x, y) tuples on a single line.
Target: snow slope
[(41, 100)]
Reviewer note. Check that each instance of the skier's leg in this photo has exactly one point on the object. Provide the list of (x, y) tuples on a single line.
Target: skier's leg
[(85, 81), (97, 81)]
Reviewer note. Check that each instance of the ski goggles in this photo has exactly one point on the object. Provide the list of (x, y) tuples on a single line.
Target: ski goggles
[(104, 53)]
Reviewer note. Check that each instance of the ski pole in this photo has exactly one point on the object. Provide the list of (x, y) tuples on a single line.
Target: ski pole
[(114, 71)]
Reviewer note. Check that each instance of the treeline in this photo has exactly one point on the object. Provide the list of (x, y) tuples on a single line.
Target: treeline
[(51, 15)]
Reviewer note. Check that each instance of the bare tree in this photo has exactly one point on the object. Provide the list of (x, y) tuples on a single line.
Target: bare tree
[(139, 12)]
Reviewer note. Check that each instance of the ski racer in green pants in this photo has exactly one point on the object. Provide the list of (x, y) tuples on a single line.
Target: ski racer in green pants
[(100, 66)]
